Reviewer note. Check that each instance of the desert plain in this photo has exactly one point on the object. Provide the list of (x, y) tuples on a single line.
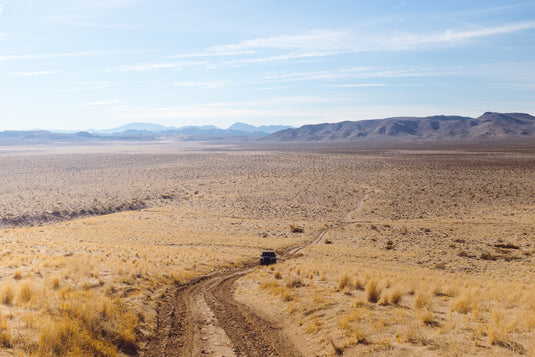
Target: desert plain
[(413, 252)]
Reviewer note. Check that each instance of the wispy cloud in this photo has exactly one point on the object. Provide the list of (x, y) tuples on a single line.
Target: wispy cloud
[(286, 57), (61, 55), (320, 43), (33, 74), (83, 21), (355, 73), (398, 6), (103, 102), (103, 4), (310, 45), (208, 85), (454, 36), (85, 85), (276, 110), (143, 67), (322, 40), (211, 54), (358, 85), (502, 8)]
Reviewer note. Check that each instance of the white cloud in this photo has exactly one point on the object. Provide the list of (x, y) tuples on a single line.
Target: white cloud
[(61, 55), (211, 54), (144, 67), (315, 40), (359, 85), (103, 4), (208, 85), (277, 110), (103, 102), (453, 36), (319, 43), (398, 6), (286, 57), (85, 85), (355, 73), (32, 74)]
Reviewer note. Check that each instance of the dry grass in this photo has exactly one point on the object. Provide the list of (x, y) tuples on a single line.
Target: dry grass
[(373, 292), (434, 212), (420, 291)]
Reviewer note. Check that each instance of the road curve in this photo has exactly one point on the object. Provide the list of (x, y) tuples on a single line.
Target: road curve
[(202, 318)]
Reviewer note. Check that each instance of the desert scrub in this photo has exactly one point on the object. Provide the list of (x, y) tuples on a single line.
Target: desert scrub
[(462, 303), (87, 323), (344, 282), (392, 296), (373, 291), (7, 293), (423, 300), (26, 290)]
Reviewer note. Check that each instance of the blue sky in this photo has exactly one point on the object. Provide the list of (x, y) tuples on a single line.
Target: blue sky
[(82, 64)]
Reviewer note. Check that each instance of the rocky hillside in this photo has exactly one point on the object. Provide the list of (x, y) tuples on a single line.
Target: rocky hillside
[(489, 126)]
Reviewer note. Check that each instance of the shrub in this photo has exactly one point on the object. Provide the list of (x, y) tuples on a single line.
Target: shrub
[(296, 229), (423, 300), (7, 294), (462, 303), (25, 292), (294, 282), (427, 318), (344, 282), (395, 296), (373, 292)]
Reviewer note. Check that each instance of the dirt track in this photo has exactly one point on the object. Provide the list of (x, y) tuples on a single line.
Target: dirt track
[(203, 318)]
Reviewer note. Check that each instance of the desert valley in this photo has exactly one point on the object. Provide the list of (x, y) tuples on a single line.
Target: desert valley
[(153, 250)]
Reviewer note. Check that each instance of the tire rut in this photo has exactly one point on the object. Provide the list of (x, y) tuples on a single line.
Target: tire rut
[(202, 318)]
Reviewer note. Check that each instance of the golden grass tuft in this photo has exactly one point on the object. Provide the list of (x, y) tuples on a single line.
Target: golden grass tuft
[(25, 292), (426, 317), (373, 291), (423, 300), (344, 282), (7, 293), (462, 303), (294, 282)]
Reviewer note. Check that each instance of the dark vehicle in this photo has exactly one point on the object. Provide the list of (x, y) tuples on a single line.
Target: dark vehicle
[(267, 258)]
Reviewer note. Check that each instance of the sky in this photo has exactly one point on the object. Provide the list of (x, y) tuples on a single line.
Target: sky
[(95, 64)]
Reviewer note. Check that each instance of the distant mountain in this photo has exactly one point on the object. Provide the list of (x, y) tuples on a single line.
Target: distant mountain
[(264, 129), (148, 127), (487, 127), (491, 126), (205, 130), (137, 132)]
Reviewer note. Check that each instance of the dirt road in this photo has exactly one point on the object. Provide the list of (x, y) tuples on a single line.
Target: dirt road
[(202, 318)]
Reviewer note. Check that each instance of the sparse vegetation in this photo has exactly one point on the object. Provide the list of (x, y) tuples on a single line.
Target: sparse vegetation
[(404, 269), (445, 247)]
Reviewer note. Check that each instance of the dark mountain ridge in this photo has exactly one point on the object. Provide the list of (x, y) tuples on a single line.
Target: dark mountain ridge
[(489, 126)]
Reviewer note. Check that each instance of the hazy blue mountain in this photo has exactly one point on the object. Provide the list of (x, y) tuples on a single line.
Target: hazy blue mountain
[(148, 127), (235, 129), (267, 129)]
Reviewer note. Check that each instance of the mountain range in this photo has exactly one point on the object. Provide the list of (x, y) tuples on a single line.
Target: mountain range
[(489, 126), (234, 129), (439, 128)]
